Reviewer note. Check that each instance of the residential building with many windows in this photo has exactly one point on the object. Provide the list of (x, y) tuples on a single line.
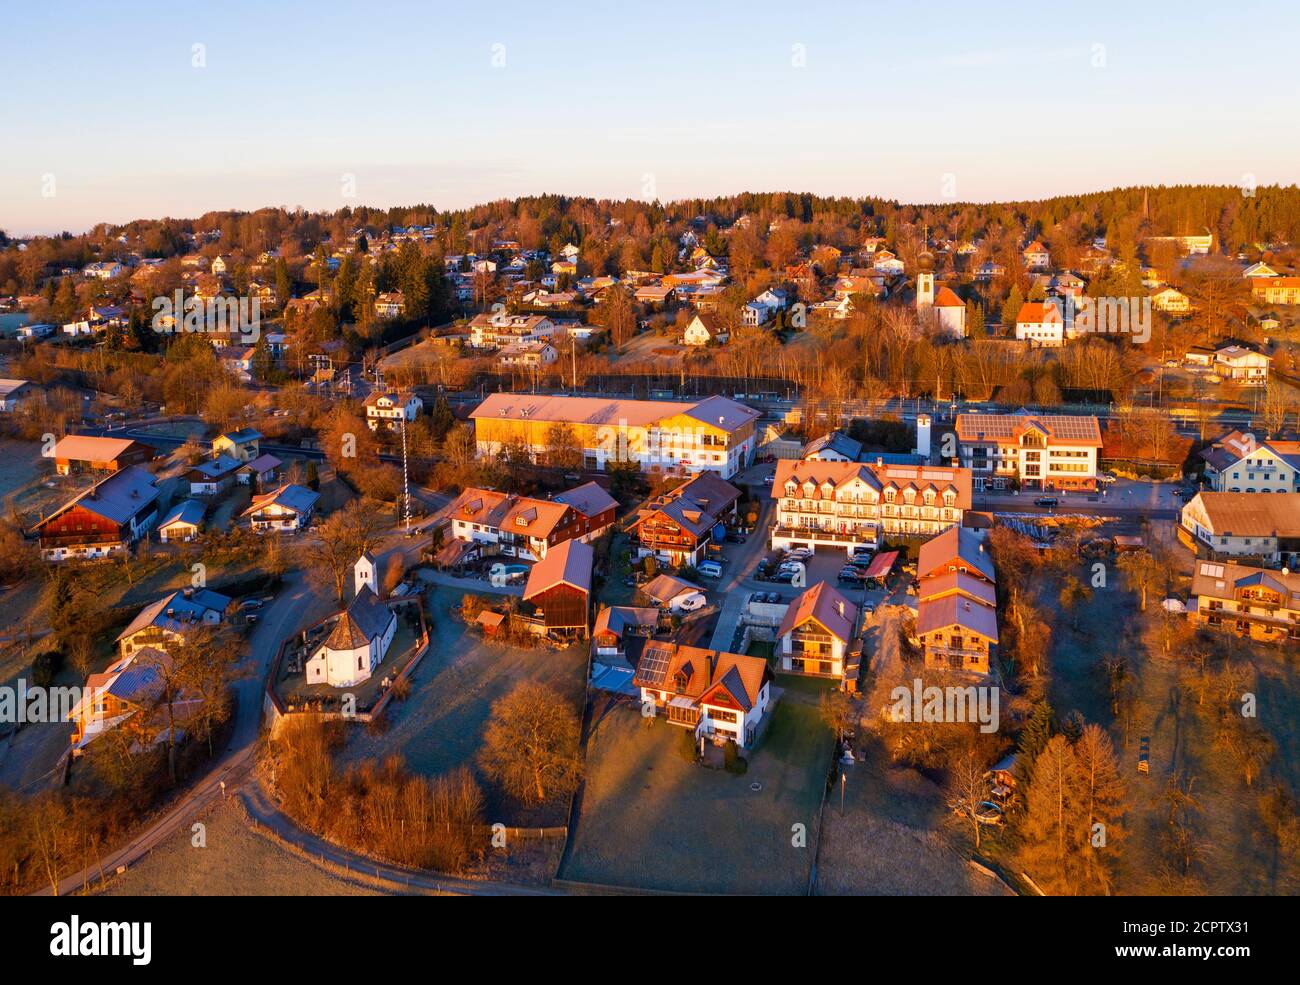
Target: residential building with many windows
[(814, 636), (851, 504), (1037, 451)]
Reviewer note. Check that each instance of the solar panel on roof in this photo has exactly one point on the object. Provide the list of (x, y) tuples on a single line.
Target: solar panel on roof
[(653, 666)]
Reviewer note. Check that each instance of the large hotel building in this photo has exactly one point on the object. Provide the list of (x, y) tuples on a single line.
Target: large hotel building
[(714, 434), (847, 504)]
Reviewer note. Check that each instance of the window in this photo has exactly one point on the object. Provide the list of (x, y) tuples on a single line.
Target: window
[(361, 663)]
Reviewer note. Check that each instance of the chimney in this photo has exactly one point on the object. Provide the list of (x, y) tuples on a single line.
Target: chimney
[(923, 436)]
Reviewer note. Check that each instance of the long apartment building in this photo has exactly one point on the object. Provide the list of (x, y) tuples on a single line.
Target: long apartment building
[(1037, 451), (1264, 605), (848, 504), (714, 434)]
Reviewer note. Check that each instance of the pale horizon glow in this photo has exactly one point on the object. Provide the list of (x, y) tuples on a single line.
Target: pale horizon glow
[(454, 106)]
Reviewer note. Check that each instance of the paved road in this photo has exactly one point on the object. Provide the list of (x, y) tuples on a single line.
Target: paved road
[(298, 604)]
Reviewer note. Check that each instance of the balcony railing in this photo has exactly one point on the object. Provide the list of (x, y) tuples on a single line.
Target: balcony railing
[(829, 536)]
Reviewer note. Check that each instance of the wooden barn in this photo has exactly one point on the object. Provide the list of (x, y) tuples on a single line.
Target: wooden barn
[(86, 453), (559, 589)]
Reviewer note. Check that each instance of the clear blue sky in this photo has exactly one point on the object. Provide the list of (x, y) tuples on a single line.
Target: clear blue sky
[(623, 100)]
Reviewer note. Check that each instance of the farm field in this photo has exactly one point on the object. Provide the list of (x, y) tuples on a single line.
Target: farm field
[(651, 818)]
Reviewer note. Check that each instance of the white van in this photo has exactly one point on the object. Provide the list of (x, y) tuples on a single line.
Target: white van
[(710, 569)]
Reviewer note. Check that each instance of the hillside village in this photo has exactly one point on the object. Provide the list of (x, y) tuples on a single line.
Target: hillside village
[(609, 523)]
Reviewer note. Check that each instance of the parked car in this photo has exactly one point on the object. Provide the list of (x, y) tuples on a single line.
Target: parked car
[(869, 607), (710, 569), (1050, 502), (250, 605), (784, 577), (851, 573), (1107, 478), (690, 602), (798, 554)]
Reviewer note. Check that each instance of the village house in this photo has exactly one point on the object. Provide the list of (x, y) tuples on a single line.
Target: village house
[(704, 328), (170, 619), (957, 634), (1038, 451), (360, 637), (260, 472), (678, 526), (714, 434), (390, 304), (527, 528), (856, 504), (242, 444), (814, 636), (1041, 324), (664, 590), (288, 509), (1241, 364), (1262, 605), (1259, 269), (182, 523), (1171, 301), (717, 695), (1276, 290), (101, 521), (389, 409), (1240, 462), (213, 477), (127, 694), (528, 355), (1244, 525), (559, 590), (956, 551), (1036, 256), (835, 446), (617, 627), (13, 393), (84, 453), (500, 329)]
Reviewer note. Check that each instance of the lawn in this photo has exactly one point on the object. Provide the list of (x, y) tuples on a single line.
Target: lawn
[(890, 839), (440, 726), (234, 862), (652, 819)]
